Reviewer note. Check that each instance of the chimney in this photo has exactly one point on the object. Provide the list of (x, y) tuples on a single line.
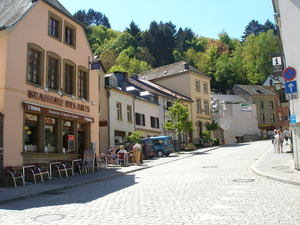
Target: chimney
[(186, 66)]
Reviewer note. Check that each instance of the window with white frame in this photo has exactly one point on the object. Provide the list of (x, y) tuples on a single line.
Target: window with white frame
[(129, 113), (119, 110), (262, 118), (140, 119), (280, 116), (272, 118), (271, 105), (154, 122)]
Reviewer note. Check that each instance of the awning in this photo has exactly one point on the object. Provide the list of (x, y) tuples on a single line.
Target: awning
[(102, 122)]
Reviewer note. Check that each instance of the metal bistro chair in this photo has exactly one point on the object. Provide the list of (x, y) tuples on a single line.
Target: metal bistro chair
[(80, 165), (102, 161), (36, 170), (112, 160), (10, 174)]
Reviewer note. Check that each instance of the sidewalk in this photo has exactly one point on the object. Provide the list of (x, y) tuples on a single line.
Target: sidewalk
[(278, 167), (271, 165)]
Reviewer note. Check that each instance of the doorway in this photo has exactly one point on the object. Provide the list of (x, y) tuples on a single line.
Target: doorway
[(81, 143)]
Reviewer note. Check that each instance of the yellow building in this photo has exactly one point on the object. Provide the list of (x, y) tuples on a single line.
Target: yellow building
[(190, 82), (46, 84)]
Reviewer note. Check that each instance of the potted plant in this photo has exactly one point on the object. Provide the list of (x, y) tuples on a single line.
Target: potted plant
[(190, 146)]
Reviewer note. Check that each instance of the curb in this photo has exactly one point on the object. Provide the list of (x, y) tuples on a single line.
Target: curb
[(259, 173)]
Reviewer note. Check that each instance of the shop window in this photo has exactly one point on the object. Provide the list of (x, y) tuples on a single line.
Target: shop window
[(82, 82), (50, 131), (70, 34), (31, 133), (119, 137), (54, 30), (67, 130)]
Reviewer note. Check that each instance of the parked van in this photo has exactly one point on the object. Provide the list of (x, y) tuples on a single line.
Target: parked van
[(147, 147), (163, 145)]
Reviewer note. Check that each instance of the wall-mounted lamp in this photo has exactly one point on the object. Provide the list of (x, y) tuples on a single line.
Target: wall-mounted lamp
[(82, 99), (72, 97), (46, 89), (59, 92), (92, 102)]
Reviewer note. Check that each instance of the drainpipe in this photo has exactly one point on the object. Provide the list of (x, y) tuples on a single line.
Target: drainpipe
[(108, 94)]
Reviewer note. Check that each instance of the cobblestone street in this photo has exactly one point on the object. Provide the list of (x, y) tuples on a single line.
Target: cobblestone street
[(215, 187)]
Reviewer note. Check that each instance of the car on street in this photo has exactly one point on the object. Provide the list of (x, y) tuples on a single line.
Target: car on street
[(163, 145)]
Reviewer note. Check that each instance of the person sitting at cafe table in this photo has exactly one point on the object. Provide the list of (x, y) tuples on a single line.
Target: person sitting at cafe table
[(112, 151)]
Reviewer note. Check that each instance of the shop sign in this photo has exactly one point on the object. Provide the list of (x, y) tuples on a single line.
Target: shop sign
[(58, 101), (64, 114)]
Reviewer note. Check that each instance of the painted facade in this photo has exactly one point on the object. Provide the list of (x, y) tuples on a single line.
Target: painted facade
[(45, 85)]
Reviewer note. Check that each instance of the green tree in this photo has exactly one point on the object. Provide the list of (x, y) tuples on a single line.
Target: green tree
[(160, 41), (91, 17), (180, 122), (135, 137), (256, 55), (134, 31)]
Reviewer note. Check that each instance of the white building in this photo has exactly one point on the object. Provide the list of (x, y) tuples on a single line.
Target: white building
[(236, 117), (287, 18)]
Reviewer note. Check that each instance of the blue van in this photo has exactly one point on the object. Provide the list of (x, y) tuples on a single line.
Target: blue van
[(163, 145)]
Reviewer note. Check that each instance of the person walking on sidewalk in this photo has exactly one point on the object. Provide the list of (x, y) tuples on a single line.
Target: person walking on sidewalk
[(278, 142), (286, 135), (273, 140)]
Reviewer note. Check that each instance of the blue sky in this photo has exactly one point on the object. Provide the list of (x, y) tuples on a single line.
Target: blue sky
[(205, 17)]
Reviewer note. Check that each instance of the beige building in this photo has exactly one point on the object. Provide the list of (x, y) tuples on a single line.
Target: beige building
[(190, 82), (46, 84)]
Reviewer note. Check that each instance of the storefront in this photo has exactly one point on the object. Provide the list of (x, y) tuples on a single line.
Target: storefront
[(56, 131)]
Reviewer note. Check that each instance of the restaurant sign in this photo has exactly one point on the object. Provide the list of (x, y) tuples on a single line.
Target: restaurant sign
[(40, 109), (58, 101)]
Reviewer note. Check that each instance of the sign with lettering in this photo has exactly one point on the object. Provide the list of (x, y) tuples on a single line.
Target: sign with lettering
[(89, 158), (40, 109)]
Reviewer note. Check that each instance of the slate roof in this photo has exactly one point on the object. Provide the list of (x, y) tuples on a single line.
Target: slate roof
[(157, 89), (12, 11), (254, 89), (169, 70)]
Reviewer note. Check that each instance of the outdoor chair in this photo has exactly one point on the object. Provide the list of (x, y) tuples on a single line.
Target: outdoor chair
[(122, 158), (37, 170), (80, 165), (68, 167), (112, 160), (14, 175), (102, 161), (59, 167)]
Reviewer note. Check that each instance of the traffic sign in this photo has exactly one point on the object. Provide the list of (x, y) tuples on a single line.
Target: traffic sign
[(292, 118), (291, 87), (289, 73)]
